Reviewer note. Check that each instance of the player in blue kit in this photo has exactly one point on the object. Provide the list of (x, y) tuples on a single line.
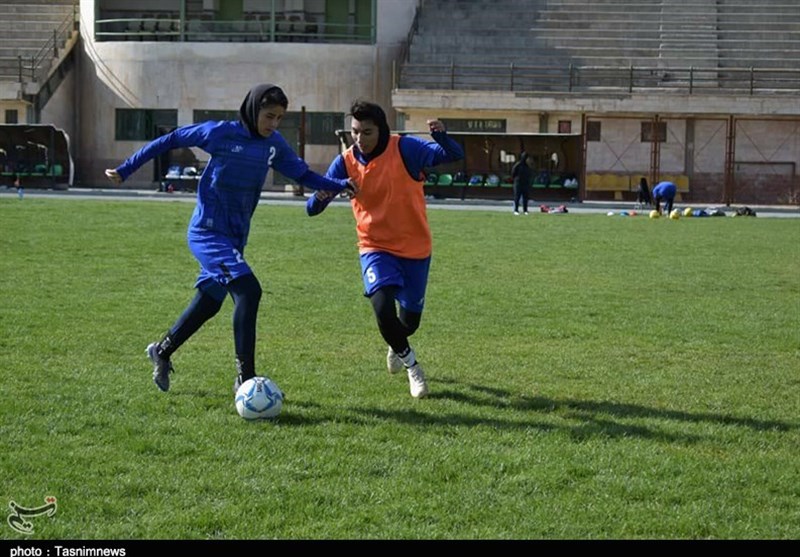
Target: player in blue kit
[(242, 152), (664, 191)]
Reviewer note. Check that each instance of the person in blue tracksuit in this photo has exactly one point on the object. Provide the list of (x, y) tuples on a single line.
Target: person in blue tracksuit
[(242, 152), (664, 191)]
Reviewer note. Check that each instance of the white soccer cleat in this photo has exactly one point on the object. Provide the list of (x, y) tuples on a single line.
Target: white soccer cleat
[(393, 362), (416, 381)]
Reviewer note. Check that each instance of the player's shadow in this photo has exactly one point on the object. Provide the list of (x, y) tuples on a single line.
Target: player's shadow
[(581, 418)]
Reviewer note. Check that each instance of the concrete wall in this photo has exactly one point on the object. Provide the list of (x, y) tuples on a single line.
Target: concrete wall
[(216, 76), (60, 109), (197, 76)]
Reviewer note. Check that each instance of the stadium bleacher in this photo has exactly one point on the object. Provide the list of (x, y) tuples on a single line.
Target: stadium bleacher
[(668, 37), (650, 55), (27, 26)]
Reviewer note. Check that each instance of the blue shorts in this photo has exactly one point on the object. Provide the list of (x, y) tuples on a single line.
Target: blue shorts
[(220, 261), (379, 269)]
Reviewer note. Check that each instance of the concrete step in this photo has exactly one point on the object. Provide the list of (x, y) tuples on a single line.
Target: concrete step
[(607, 42), (19, 11), (27, 26), (474, 43), (532, 58), (473, 30), (41, 2), (549, 63), (758, 9), (25, 52), (26, 43), (34, 18), (14, 35), (510, 6), (745, 27), (610, 25), (742, 8)]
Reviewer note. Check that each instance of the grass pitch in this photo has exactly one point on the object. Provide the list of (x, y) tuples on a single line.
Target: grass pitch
[(591, 377)]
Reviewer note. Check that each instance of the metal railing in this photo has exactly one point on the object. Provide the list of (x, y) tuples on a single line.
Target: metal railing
[(204, 30), (598, 79), (406, 47), (31, 68)]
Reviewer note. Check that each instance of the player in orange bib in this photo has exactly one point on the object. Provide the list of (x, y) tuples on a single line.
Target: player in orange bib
[(394, 239)]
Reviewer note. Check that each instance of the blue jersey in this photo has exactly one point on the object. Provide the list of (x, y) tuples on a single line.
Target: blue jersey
[(417, 154), (230, 186), (664, 190)]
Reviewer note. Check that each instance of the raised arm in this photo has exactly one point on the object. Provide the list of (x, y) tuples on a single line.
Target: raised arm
[(419, 154)]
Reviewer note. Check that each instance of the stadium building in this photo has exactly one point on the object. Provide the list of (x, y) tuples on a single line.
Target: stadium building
[(599, 93)]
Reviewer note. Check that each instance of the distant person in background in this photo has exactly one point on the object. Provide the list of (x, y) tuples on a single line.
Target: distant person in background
[(18, 185), (664, 191), (643, 194), (521, 173)]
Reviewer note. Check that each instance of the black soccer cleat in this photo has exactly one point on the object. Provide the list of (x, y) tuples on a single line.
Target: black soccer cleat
[(161, 367)]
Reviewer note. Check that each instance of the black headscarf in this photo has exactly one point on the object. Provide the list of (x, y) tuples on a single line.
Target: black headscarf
[(383, 134), (248, 112), (368, 111)]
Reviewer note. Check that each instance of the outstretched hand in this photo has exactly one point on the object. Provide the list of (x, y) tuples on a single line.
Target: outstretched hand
[(350, 190), (113, 175), (325, 195)]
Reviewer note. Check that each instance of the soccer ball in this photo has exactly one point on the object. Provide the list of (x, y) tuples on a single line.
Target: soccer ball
[(654, 214), (259, 398), (675, 214)]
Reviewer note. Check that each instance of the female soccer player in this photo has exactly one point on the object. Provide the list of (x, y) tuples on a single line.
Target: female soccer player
[(664, 191), (242, 152), (394, 239)]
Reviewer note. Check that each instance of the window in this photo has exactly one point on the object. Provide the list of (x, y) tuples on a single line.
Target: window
[(592, 130), (320, 127), (12, 116), (647, 132), (564, 126), (142, 124)]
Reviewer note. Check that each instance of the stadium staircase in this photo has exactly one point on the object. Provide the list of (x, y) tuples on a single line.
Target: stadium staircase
[(36, 51)]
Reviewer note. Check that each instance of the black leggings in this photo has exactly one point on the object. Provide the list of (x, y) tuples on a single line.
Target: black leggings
[(521, 192), (246, 293), (394, 329), (668, 201)]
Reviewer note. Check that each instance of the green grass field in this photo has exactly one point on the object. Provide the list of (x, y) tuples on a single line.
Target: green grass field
[(591, 377)]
